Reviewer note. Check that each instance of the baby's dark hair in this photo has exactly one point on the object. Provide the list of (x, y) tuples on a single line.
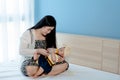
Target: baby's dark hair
[(28, 62)]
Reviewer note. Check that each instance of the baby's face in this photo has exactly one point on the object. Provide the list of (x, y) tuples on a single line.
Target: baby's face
[(61, 50), (31, 70)]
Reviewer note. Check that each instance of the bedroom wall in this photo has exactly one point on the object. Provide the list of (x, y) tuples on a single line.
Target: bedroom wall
[(99, 53), (99, 18)]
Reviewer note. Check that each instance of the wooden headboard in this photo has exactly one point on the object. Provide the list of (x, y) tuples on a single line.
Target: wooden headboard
[(94, 52)]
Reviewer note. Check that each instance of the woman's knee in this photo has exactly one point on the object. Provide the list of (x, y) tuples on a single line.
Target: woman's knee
[(59, 68), (67, 66)]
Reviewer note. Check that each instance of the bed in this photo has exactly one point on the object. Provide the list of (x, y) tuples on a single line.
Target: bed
[(11, 71), (85, 51)]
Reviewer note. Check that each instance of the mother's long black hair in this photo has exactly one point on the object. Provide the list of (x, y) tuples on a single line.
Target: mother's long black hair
[(51, 37)]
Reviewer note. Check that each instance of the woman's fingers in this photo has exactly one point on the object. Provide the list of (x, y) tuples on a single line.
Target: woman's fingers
[(43, 52)]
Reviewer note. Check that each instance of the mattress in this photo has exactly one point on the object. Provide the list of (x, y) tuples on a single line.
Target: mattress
[(11, 71)]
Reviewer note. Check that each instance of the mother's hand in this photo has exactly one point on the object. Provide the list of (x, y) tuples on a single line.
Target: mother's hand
[(42, 51)]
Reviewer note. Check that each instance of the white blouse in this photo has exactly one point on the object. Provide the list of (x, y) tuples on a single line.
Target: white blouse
[(27, 44)]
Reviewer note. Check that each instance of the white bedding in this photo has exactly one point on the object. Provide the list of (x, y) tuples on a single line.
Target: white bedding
[(10, 71)]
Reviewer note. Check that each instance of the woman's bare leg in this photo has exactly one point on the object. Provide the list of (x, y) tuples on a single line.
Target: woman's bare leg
[(57, 69)]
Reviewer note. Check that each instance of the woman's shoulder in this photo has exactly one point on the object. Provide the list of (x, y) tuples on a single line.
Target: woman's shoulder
[(26, 33)]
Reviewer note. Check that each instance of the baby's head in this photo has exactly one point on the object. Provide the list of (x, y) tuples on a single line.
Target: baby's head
[(61, 50), (29, 67)]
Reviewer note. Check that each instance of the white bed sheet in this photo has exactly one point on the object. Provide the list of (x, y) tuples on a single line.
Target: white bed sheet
[(11, 71)]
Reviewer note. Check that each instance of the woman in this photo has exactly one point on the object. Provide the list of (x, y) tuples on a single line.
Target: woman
[(38, 39)]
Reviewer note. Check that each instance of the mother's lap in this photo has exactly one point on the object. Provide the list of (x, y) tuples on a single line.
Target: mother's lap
[(59, 68)]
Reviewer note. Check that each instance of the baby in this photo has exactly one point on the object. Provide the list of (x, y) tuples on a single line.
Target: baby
[(40, 65), (56, 55)]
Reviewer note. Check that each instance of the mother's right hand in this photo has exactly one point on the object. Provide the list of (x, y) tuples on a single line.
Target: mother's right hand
[(42, 51)]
